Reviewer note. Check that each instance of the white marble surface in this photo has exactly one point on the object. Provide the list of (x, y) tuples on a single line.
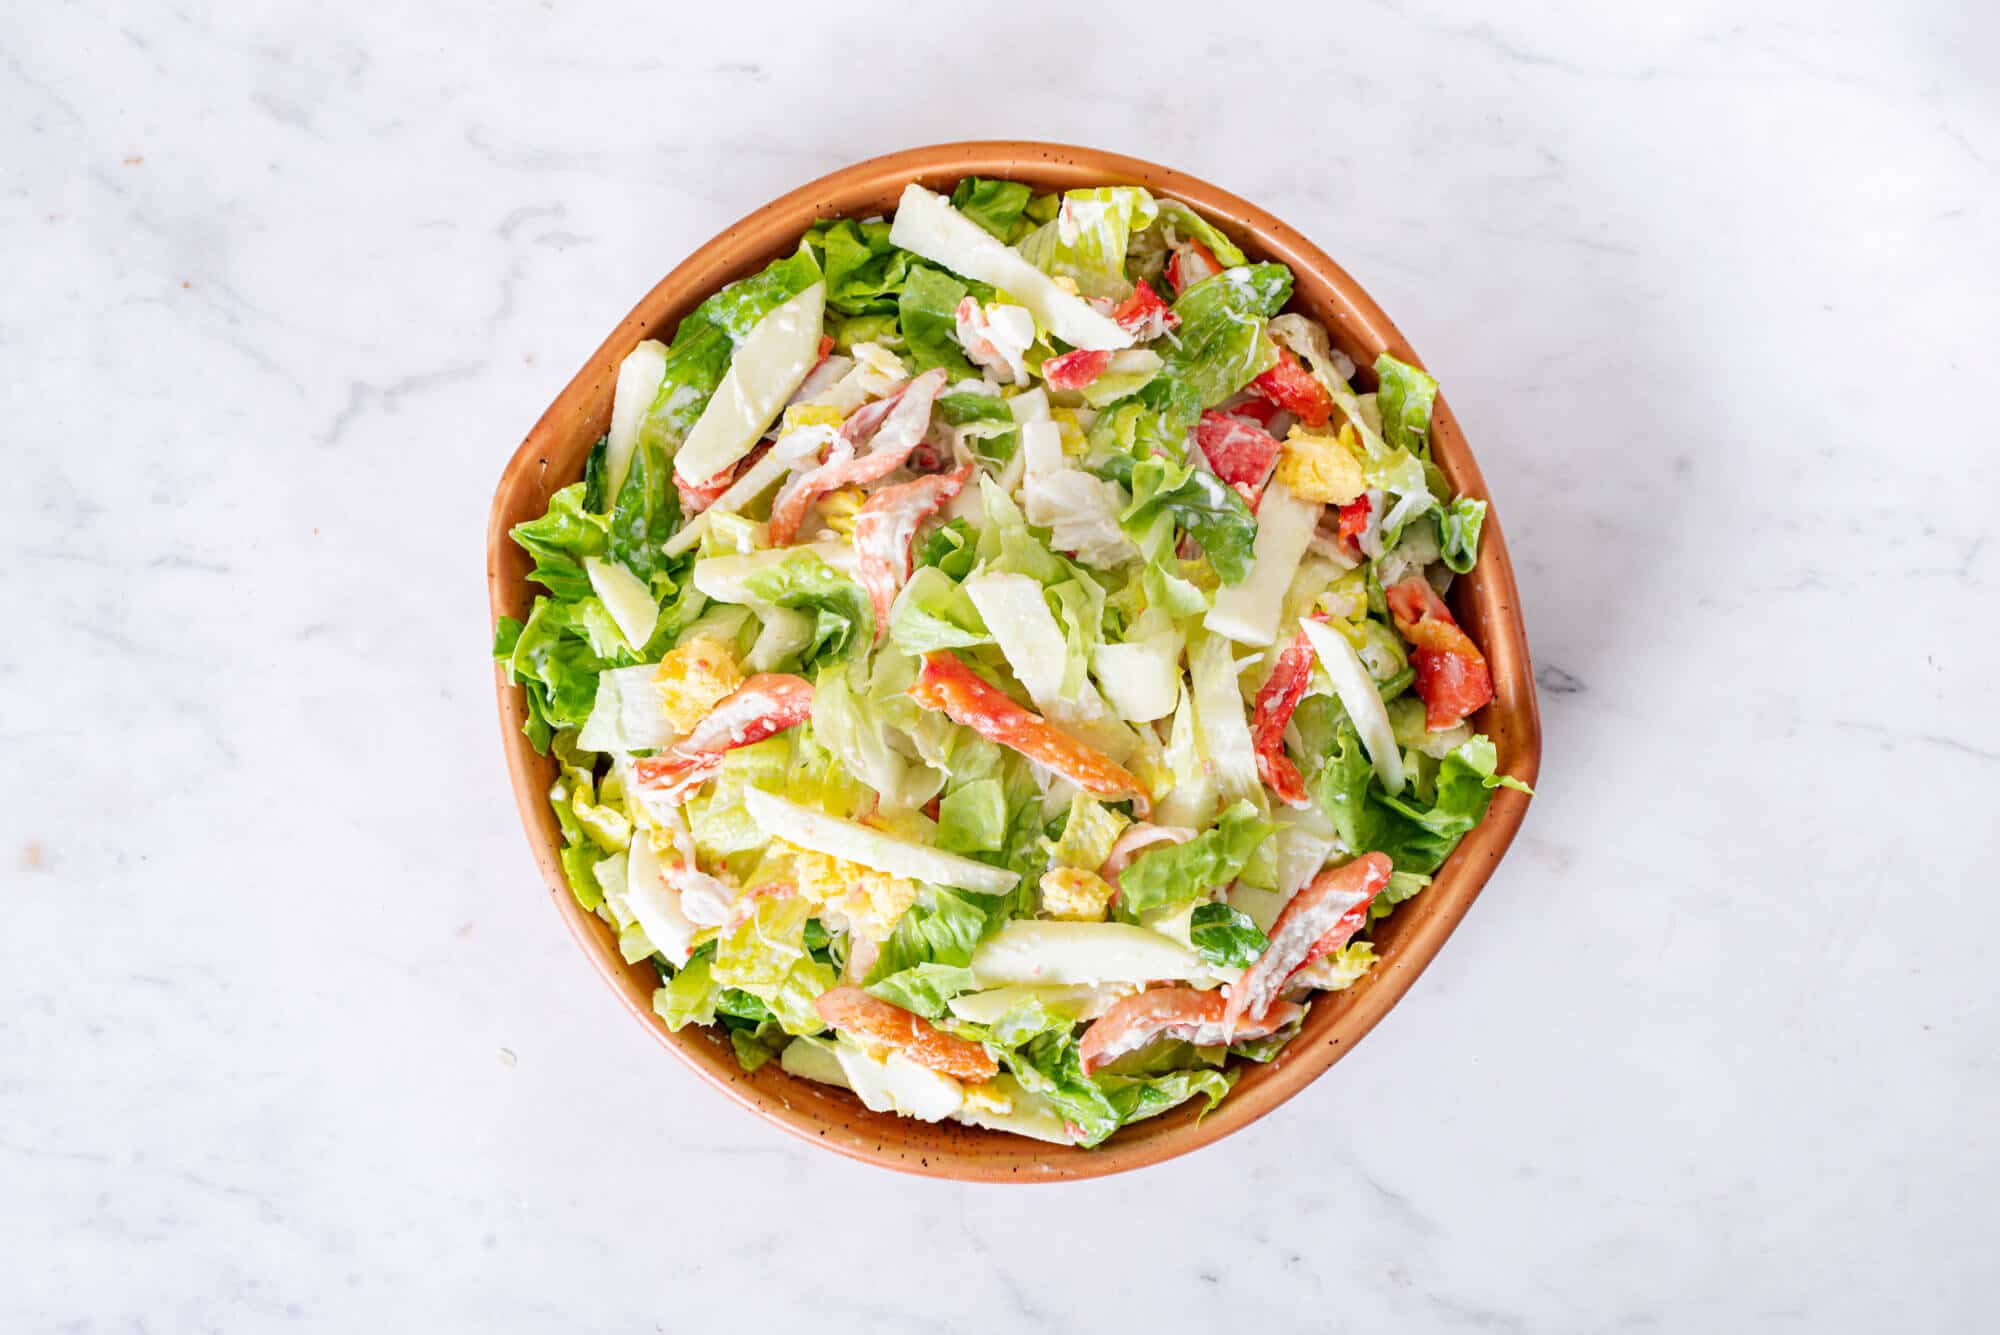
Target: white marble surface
[(287, 1029)]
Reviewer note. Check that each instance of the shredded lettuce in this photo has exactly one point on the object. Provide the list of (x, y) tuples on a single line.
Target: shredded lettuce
[(1405, 396), (843, 618), (865, 272), (996, 205), (1086, 241), (1176, 873)]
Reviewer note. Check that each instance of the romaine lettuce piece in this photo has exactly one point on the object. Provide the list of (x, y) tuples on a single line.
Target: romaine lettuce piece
[(1178, 873), (927, 311), (1086, 241), (1405, 396), (972, 818), (933, 612), (1225, 936), (560, 540), (864, 270), (1458, 532), (629, 713), (1198, 501), (1221, 345), (993, 204)]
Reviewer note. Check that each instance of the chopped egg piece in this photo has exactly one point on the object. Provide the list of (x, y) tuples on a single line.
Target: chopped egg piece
[(1073, 894), (694, 679), (1318, 467)]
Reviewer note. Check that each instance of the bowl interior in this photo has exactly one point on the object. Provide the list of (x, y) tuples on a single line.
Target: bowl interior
[(1484, 601)]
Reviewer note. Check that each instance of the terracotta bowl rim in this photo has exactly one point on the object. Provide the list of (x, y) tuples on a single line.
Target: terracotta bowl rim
[(1486, 600)]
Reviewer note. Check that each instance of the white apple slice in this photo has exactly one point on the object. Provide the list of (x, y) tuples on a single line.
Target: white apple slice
[(850, 841), (772, 362), (1248, 612), (1362, 701), (655, 905), (639, 377), (1090, 953), (626, 597), (928, 225)]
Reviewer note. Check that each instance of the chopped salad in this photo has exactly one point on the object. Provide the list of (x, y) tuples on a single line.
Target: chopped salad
[(996, 660)]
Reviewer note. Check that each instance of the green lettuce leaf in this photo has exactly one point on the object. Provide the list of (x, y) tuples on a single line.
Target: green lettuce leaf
[(951, 547), (559, 541), (1211, 512), (922, 964), (924, 989), (928, 310), (555, 662), (691, 995), (1225, 936), (1458, 532), (1175, 873), (1405, 396), (1049, 1064), (1191, 224), (993, 436), (737, 308), (646, 512), (993, 204), (864, 272), (1222, 346), (972, 818), (844, 619), (934, 612), (1135, 1098), (1086, 242), (1089, 831), (1417, 836)]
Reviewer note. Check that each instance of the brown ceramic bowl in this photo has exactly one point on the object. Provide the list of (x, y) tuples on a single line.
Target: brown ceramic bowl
[(1485, 602)]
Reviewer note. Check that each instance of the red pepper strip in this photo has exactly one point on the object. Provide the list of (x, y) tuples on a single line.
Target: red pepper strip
[(948, 685), (1319, 920), (1191, 263), (1295, 389), (1074, 370), (1353, 523), (1241, 455), (867, 1016), (1185, 1013), (1452, 677), (1277, 700), (761, 707)]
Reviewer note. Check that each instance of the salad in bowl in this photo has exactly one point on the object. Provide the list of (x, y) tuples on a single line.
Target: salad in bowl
[(997, 661)]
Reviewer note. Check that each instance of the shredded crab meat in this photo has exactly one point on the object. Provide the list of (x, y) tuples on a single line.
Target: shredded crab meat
[(889, 428), (1318, 920), (1185, 1013), (885, 527), (761, 707)]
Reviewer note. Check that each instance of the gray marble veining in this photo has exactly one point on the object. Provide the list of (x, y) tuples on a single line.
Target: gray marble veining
[(287, 1034)]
